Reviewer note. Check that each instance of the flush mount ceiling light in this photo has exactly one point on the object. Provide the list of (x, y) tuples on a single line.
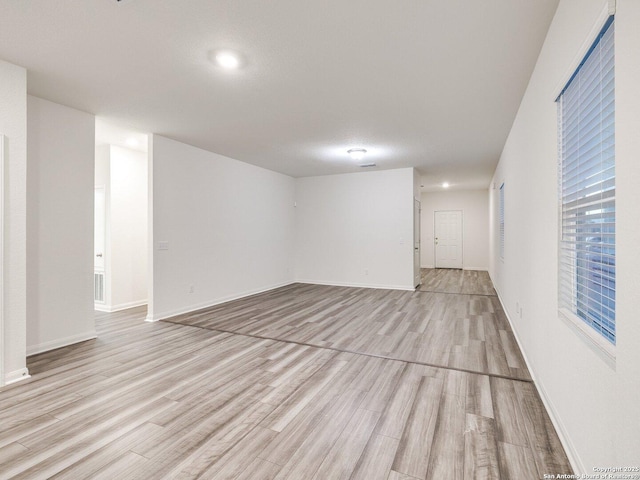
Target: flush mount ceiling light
[(356, 153), (226, 59), (445, 184)]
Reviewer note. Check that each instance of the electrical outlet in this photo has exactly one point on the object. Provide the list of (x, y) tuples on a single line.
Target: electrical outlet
[(366, 272), (191, 289)]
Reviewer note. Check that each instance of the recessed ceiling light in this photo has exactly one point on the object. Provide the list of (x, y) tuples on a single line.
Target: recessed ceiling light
[(227, 60), (445, 185), (356, 153)]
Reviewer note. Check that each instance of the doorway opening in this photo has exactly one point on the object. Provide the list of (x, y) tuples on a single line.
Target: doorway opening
[(121, 218)]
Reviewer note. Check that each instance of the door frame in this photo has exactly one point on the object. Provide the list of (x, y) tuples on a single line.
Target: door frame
[(435, 249), (417, 235), (2, 349), (101, 305)]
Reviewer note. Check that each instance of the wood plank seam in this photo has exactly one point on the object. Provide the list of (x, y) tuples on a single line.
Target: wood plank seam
[(343, 350)]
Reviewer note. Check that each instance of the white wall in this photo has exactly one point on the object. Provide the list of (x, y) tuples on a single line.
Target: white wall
[(594, 403), (129, 227), (229, 226), (475, 225), (123, 173), (356, 229), (59, 226), (13, 124)]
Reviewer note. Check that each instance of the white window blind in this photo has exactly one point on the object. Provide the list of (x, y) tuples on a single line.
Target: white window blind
[(502, 221), (587, 188)]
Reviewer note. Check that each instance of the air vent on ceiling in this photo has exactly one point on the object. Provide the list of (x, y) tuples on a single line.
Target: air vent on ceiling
[(368, 165)]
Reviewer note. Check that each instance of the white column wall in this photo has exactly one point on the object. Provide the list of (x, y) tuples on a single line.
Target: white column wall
[(59, 226), (593, 403), (128, 228), (356, 229), (228, 228), (13, 125)]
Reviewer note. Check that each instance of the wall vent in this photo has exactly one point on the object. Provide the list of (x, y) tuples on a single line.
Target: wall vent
[(98, 287), (368, 165)]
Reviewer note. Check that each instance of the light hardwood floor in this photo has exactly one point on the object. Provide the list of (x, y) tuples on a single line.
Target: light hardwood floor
[(467, 332), (166, 400), (440, 280)]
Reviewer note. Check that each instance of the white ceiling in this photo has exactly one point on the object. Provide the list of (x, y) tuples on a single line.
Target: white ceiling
[(111, 134), (419, 83)]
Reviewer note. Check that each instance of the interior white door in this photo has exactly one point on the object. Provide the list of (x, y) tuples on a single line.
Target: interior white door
[(416, 243), (448, 239)]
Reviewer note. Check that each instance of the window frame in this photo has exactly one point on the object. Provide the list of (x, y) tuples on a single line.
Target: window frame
[(595, 339)]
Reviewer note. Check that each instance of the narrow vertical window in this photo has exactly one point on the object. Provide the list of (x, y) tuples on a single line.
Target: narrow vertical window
[(586, 111), (502, 221)]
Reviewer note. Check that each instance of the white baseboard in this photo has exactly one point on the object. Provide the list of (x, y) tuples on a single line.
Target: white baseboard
[(16, 376), (212, 303), (563, 434), (192, 308), (358, 285), (480, 269), (60, 342), (121, 306)]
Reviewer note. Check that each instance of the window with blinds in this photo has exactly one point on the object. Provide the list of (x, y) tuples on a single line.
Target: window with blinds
[(502, 221), (586, 110)]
